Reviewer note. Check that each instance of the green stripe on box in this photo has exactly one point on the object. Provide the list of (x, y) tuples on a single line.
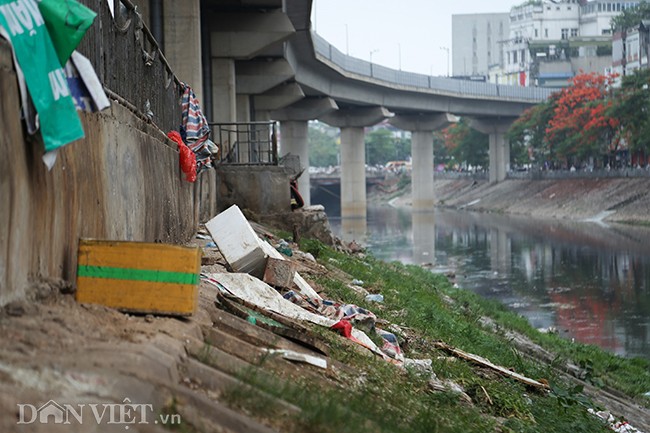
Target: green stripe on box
[(137, 275)]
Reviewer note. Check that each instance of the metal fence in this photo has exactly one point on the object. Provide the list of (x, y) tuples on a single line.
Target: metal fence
[(130, 65), (444, 84), (246, 143)]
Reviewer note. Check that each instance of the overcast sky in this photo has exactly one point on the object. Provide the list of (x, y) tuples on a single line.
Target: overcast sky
[(420, 27)]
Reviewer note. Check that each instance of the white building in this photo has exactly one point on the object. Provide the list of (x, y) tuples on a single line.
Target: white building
[(550, 41), (476, 42)]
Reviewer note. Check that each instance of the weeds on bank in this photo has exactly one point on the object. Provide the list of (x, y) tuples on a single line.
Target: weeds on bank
[(385, 398)]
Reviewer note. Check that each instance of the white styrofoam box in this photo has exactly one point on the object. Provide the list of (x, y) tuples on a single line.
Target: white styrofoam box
[(238, 242)]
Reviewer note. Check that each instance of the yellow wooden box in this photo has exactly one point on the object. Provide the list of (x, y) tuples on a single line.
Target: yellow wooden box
[(139, 277)]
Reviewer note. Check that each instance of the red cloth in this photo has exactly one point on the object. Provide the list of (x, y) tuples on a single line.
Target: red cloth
[(345, 327), (187, 157)]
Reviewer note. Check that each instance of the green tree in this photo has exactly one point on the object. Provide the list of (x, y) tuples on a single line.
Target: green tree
[(380, 145), (631, 17), (529, 131), (402, 149), (632, 110), (440, 153), (467, 145), (323, 148)]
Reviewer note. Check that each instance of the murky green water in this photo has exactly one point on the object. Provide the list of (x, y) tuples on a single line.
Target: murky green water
[(590, 281)]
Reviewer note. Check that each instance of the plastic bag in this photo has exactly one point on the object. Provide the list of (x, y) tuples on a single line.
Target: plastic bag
[(67, 22), (187, 158)]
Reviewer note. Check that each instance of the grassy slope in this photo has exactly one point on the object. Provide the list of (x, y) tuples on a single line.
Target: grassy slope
[(388, 399)]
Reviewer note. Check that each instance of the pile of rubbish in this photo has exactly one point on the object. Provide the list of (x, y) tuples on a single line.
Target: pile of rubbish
[(257, 266)]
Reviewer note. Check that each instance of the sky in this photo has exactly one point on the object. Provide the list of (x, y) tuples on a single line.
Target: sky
[(417, 28)]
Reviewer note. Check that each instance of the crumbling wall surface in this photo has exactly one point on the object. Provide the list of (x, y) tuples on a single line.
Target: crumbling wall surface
[(261, 189), (121, 182), (312, 224)]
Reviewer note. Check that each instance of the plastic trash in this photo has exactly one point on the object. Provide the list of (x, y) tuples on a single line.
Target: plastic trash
[(375, 298), (211, 244), (187, 158), (200, 236), (286, 251), (357, 282), (67, 23)]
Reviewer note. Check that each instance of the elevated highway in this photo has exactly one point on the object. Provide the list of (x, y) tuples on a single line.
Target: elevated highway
[(261, 61)]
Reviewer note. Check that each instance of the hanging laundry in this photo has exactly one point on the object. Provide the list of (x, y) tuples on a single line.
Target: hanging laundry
[(195, 130)]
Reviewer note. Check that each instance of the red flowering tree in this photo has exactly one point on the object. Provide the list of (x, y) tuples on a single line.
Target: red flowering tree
[(575, 122), (581, 125)]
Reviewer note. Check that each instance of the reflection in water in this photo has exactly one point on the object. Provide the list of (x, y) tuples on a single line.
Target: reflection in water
[(591, 282), (354, 229), (424, 237)]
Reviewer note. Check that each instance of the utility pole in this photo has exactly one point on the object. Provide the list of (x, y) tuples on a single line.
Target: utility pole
[(372, 52), (446, 49)]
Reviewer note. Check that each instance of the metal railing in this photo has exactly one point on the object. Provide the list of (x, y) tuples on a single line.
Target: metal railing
[(130, 65), (411, 79), (246, 143)]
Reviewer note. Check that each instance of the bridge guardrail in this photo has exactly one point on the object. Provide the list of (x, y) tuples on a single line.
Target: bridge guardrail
[(445, 84)]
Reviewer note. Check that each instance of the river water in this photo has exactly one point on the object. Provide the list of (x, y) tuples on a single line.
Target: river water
[(589, 280)]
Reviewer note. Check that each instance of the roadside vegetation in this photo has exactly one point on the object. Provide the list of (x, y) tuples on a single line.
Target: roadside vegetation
[(428, 308), (381, 146)]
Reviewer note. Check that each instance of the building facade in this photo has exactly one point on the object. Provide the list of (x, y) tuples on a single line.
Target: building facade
[(540, 43), (476, 42)]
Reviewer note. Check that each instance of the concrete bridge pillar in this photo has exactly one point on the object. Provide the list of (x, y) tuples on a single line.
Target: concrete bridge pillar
[(176, 25), (234, 39), (353, 158), (294, 133), (422, 127), (499, 145)]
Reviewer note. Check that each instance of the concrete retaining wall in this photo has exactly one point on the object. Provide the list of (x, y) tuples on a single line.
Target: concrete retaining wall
[(261, 189), (121, 182)]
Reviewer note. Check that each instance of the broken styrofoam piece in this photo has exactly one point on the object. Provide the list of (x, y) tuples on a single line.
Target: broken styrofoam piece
[(238, 242), (423, 365), (300, 357)]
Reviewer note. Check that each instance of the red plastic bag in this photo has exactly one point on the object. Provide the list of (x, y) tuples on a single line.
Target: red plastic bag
[(187, 158)]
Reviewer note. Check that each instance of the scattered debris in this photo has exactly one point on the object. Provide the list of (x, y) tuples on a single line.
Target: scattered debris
[(375, 298), (300, 357), (279, 273), (486, 363)]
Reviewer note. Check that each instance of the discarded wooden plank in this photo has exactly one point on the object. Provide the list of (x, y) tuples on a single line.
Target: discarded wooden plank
[(259, 357), (486, 363), (274, 323), (139, 277)]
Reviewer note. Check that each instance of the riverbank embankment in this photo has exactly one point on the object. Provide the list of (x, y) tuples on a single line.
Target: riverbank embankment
[(607, 199)]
